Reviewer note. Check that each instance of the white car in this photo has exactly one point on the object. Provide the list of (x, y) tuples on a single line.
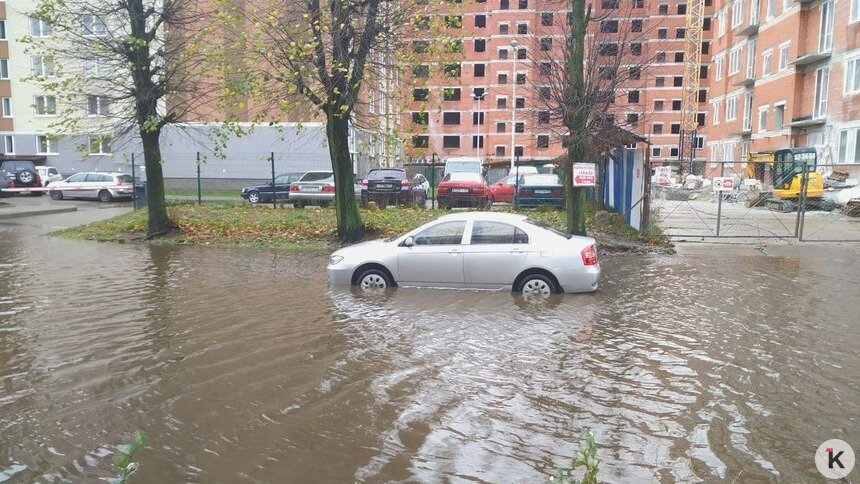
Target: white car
[(48, 174), (104, 186), (482, 250)]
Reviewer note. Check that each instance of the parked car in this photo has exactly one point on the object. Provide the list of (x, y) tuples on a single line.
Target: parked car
[(48, 174), (537, 190), (503, 190), (263, 193), (105, 186), (482, 250), (394, 185), (23, 174), (313, 188), (5, 182), (460, 189)]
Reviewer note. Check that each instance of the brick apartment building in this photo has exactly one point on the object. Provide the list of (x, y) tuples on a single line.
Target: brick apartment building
[(466, 107), (785, 73)]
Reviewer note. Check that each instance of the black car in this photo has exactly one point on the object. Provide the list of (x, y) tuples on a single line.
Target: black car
[(263, 193), (22, 172), (393, 185)]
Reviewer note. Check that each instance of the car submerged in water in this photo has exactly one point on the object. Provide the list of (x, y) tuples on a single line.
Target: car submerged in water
[(478, 250)]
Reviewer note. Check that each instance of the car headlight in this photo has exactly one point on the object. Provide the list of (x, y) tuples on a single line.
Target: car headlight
[(335, 259)]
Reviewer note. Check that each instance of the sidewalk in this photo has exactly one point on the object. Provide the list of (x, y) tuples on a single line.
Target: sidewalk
[(30, 208)]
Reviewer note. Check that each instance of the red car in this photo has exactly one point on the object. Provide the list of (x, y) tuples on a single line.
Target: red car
[(503, 190), (463, 190)]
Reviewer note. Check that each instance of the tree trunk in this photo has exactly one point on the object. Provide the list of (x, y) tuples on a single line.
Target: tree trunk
[(349, 226), (574, 197), (158, 221)]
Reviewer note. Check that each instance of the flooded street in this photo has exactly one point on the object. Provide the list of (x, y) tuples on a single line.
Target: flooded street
[(242, 365)]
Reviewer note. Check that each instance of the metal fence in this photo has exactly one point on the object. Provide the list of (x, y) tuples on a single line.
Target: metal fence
[(735, 200)]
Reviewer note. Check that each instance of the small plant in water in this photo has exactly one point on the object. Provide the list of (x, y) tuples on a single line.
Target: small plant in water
[(125, 460), (586, 457)]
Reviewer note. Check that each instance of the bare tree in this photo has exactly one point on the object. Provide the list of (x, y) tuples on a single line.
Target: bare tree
[(584, 65), (119, 72)]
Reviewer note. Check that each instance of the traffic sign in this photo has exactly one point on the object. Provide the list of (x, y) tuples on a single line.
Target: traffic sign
[(584, 175), (723, 184)]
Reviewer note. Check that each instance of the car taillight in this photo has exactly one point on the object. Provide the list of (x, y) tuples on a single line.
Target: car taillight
[(294, 188), (589, 255), (558, 192), (443, 189), (328, 188), (364, 183), (479, 190), (526, 191), (405, 183), (38, 179)]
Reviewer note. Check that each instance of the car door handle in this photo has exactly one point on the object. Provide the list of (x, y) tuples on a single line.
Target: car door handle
[(453, 251)]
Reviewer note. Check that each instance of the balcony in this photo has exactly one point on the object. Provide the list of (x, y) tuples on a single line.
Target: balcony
[(745, 82), (750, 29), (806, 121), (809, 59)]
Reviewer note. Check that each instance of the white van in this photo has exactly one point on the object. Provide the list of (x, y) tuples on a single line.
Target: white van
[(467, 164)]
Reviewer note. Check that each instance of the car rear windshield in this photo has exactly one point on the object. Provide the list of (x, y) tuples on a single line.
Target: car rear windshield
[(541, 180), (386, 175), (316, 176), (17, 166), (124, 179), (463, 166), (547, 227), (463, 176)]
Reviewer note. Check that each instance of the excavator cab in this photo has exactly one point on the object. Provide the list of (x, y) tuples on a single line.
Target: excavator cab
[(787, 167)]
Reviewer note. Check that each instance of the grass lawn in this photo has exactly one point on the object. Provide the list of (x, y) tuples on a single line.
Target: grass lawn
[(192, 192), (4, 204), (311, 228)]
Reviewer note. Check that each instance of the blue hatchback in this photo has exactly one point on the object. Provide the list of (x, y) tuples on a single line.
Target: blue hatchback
[(540, 189)]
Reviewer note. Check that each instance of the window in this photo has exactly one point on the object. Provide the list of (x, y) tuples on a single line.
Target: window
[(4, 68), (523, 4), (638, 3), (543, 141), (636, 48), (783, 56), (45, 105), (543, 117), (503, 78), (607, 49), (673, 152), (632, 97), (518, 151), (855, 11), (657, 128), (779, 116), (706, 47), (660, 58), (500, 150), (676, 105), (610, 26), (734, 61), (520, 103), (421, 71), (682, 9), (504, 4), (522, 28), (501, 102), (700, 119), (519, 127), (659, 81), (632, 119), (751, 47), (500, 127), (91, 25), (480, 45), (610, 4), (39, 28), (680, 33), (503, 29), (45, 145), (765, 62), (477, 141), (420, 141), (636, 25), (737, 13), (480, 21), (677, 81), (715, 107), (675, 128), (634, 73), (703, 72), (546, 44), (658, 105), (731, 108), (420, 46), (662, 33), (656, 152), (445, 233), (747, 122), (679, 57), (480, 70), (703, 95), (503, 53), (770, 9), (721, 23), (852, 76), (546, 19), (453, 46), (478, 118), (2, 30), (420, 94), (7, 107), (706, 24), (822, 81), (98, 106), (9, 144), (451, 70), (100, 145), (663, 9), (849, 146), (718, 67), (521, 78), (728, 152), (421, 117), (762, 119), (451, 94), (450, 142), (42, 66), (825, 36), (451, 117), (521, 53), (453, 21)]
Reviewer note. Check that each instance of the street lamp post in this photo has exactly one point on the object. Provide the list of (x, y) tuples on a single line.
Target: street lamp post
[(479, 119), (514, 50)]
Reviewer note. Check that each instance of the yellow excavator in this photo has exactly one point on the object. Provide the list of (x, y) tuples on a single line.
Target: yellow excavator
[(784, 170)]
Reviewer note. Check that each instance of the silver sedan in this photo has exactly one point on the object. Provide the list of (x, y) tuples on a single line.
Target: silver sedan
[(481, 250)]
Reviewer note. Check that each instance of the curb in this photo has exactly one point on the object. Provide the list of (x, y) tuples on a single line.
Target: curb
[(32, 213)]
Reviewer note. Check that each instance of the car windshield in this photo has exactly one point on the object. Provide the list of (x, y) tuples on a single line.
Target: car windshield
[(386, 175), (463, 176), (17, 165), (463, 166), (315, 176), (547, 227), (540, 180)]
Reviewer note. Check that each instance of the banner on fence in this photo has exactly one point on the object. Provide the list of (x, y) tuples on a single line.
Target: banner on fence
[(723, 184)]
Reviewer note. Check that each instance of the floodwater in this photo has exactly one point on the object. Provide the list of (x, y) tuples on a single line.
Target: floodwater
[(243, 365)]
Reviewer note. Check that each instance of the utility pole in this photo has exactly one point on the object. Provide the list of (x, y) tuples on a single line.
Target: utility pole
[(514, 52)]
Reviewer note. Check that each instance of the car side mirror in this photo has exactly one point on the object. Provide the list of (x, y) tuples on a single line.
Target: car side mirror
[(408, 242)]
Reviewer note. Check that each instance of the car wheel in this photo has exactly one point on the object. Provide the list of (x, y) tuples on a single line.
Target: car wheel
[(56, 195), (298, 205), (105, 196), (536, 286), (374, 280), (254, 196)]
